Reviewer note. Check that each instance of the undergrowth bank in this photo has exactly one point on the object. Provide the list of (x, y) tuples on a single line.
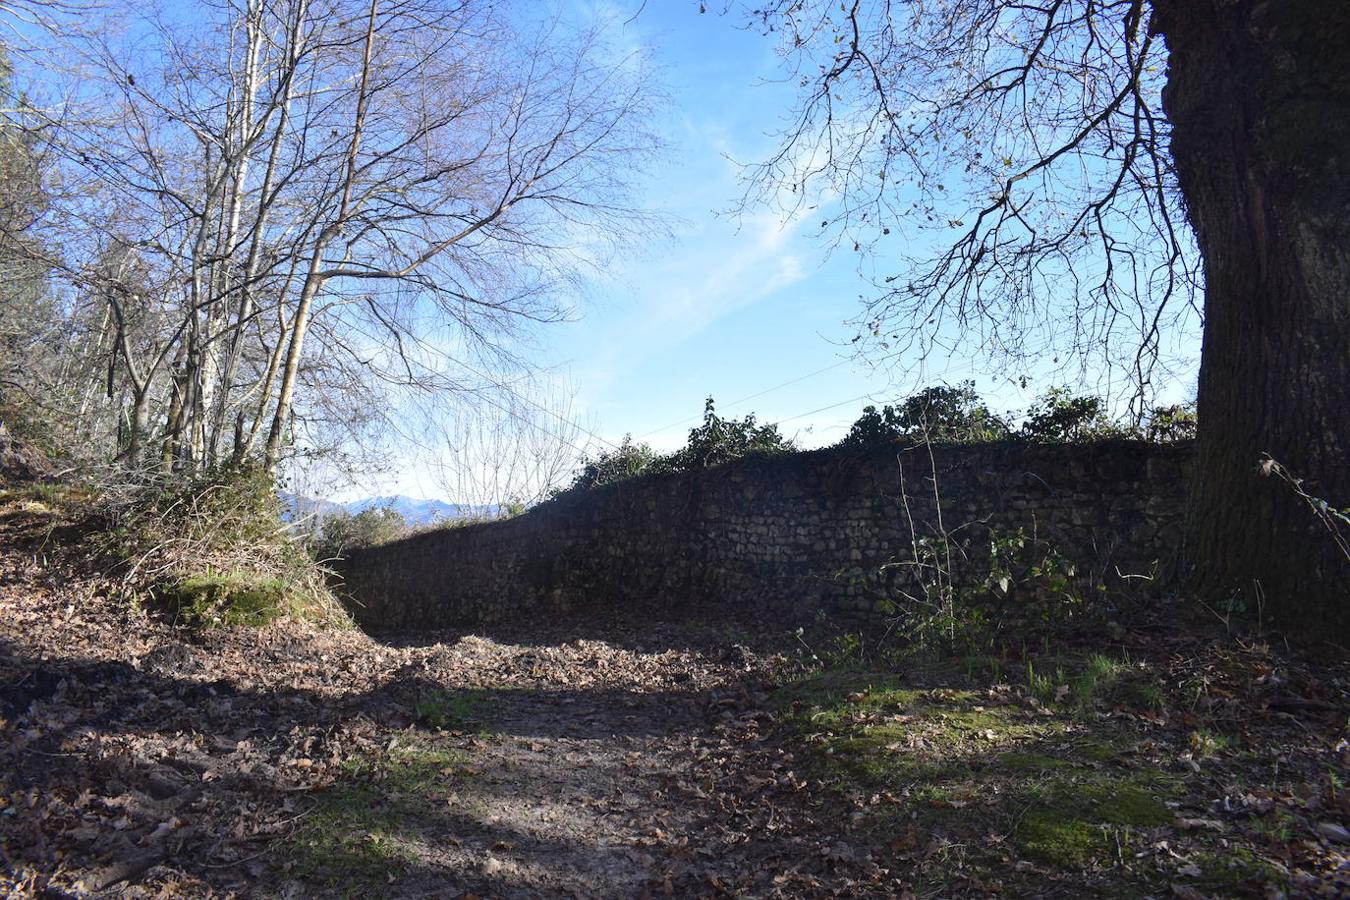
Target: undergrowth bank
[(830, 530)]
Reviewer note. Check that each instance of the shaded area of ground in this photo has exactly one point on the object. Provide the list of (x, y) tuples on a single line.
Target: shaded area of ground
[(599, 758), (1202, 770), (622, 756)]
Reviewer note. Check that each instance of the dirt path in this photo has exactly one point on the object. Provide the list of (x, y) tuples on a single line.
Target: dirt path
[(617, 756), (592, 767), (593, 758)]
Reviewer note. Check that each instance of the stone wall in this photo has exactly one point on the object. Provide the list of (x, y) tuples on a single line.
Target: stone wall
[(788, 535)]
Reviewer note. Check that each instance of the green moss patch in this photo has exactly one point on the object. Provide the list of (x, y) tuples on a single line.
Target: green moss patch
[(450, 710), (1234, 869), (352, 836), (369, 827), (1004, 778), (232, 599), (1029, 762), (832, 697), (42, 493), (1073, 824)]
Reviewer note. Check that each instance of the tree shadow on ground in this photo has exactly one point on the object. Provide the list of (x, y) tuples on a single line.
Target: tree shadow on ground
[(704, 629), (111, 768)]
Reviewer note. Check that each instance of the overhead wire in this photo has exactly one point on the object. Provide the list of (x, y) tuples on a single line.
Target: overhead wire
[(501, 385), (963, 368), (822, 409), (689, 419)]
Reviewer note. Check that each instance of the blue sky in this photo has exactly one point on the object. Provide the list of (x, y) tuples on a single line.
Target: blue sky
[(733, 305), (748, 309)]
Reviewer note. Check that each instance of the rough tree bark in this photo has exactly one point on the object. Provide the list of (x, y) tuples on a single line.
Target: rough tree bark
[(1259, 96)]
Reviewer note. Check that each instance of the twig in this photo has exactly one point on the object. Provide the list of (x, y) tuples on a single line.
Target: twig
[(1331, 518)]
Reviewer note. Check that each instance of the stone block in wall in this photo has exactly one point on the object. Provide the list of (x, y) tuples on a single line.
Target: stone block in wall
[(774, 533)]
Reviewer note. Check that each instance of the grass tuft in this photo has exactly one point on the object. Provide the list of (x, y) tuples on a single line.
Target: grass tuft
[(232, 599), (212, 550), (449, 711), (368, 828)]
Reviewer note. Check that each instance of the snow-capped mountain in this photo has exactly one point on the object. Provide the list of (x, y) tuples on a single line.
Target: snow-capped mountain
[(413, 511), (421, 512)]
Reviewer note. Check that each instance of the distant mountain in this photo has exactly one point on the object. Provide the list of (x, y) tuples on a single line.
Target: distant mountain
[(422, 512), (413, 511), (295, 506)]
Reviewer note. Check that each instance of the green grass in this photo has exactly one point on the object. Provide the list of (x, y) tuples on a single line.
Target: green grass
[(989, 772), (1234, 870), (43, 493), (1020, 761), (352, 836), (1043, 686), (450, 710), (1205, 743), (1100, 673), (364, 831), (1072, 821), (1085, 686), (232, 599), (40, 491)]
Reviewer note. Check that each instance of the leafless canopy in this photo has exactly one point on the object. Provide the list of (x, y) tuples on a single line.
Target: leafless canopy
[(1012, 157), (278, 218)]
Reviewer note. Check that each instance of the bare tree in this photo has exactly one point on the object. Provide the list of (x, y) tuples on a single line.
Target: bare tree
[(513, 454), (1079, 175), (1011, 158), (48, 15), (332, 205)]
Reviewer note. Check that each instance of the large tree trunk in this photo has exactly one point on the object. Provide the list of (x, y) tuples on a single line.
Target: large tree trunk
[(1258, 93)]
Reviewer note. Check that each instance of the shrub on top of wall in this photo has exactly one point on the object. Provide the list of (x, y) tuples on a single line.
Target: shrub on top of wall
[(718, 441), (370, 527), (715, 442), (941, 413), (945, 414), (628, 460), (1167, 424), (1058, 416)]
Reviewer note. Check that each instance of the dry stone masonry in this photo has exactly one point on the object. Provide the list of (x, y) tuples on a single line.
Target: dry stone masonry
[(788, 536)]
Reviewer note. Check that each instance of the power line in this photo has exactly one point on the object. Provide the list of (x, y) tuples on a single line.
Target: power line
[(686, 421), (967, 366), (524, 421), (542, 408), (952, 368), (949, 370), (500, 385), (825, 408)]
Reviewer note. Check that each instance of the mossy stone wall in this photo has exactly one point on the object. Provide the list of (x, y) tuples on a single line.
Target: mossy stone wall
[(787, 536)]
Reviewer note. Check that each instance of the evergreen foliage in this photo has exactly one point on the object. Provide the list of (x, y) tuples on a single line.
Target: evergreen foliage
[(344, 531), (628, 460), (714, 443), (1058, 416), (719, 441), (940, 413)]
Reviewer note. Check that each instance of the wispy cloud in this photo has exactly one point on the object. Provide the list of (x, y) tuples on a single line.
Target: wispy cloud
[(710, 275)]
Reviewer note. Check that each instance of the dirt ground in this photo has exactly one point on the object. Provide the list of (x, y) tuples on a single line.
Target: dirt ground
[(592, 758), (619, 756)]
